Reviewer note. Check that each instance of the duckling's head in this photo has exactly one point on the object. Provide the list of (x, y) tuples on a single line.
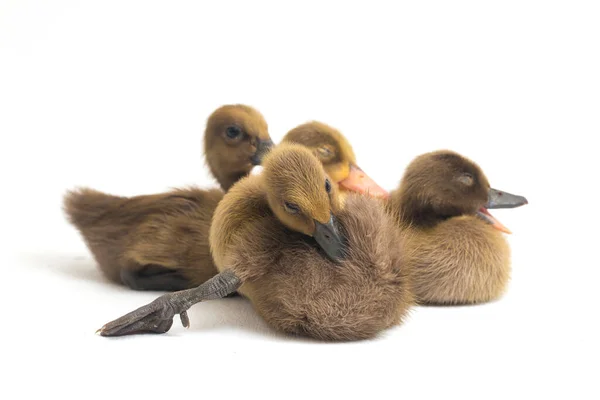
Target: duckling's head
[(302, 196), (236, 139), (336, 154), (444, 184)]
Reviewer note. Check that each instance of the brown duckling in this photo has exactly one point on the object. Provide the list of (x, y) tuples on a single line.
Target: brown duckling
[(309, 268), (160, 242), (454, 247), (337, 156)]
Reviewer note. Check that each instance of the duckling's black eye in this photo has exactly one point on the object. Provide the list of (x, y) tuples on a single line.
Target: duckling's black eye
[(233, 132), (327, 186), (291, 207)]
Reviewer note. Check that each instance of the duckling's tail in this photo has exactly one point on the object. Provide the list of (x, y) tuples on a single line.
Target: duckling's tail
[(103, 223), (85, 207)]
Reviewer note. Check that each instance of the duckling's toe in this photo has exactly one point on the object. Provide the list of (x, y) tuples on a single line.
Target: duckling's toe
[(156, 317)]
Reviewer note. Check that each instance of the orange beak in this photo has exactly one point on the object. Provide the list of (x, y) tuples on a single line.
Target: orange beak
[(358, 181)]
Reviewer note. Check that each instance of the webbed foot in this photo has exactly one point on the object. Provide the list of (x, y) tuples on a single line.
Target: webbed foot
[(155, 317)]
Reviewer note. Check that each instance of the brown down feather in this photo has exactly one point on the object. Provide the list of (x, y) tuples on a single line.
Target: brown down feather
[(455, 257), (286, 275)]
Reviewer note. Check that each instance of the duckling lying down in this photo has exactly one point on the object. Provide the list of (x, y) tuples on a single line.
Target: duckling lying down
[(308, 267), (455, 248), (160, 241)]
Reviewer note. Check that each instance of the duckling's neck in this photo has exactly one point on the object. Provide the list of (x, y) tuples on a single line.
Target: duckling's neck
[(242, 205), (226, 172), (410, 212), (227, 180)]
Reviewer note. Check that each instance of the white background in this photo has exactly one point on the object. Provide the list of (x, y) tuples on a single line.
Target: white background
[(114, 95)]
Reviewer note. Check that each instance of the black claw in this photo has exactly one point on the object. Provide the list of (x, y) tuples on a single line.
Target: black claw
[(185, 320)]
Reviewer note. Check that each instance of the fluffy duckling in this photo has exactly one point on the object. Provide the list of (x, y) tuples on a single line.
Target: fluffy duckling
[(337, 156), (160, 242), (454, 247), (280, 239)]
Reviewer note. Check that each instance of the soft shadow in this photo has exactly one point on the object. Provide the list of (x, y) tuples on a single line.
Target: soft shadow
[(73, 266), (238, 313), (234, 313), (464, 305), (229, 313)]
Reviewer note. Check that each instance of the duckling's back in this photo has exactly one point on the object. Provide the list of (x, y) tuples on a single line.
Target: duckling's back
[(168, 229)]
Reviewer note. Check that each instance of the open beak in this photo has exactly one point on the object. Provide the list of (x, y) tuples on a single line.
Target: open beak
[(328, 237), (262, 148), (358, 181), (499, 199)]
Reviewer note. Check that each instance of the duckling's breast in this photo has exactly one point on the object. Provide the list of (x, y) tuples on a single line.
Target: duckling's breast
[(462, 260)]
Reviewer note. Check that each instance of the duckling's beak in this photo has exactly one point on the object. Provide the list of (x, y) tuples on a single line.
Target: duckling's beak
[(358, 181), (328, 237), (262, 148), (499, 199)]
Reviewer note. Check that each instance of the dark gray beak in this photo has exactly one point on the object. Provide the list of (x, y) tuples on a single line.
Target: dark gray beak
[(499, 199), (262, 148), (330, 240)]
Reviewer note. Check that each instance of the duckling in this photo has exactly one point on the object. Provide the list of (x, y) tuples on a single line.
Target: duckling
[(337, 156), (308, 267), (160, 242), (454, 247)]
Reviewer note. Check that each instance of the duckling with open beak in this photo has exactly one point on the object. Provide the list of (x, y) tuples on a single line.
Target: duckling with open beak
[(455, 247)]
